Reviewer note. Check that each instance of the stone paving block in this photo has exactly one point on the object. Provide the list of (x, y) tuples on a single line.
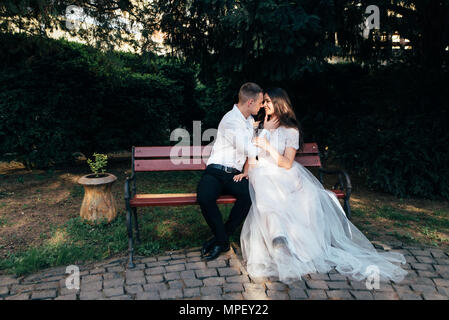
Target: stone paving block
[(231, 271), (191, 283), (160, 277), (277, 295), (171, 294), (148, 260), (134, 289), (216, 264), (155, 270), (232, 287), (233, 296), (250, 286), (427, 274), (205, 273), (437, 253), (191, 292), (195, 265), (65, 291), (97, 271), (212, 297), (21, 296), (44, 294), (441, 268), (20, 288), (112, 275), (134, 273), (337, 277), (111, 292), (385, 295), (193, 254), (113, 283), (155, 287), (193, 259), (163, 258), (298, 284), (168, 276), (319, 276), (255, 294), (241, 279), (122, 297), (279, 286), (420, 253), (422, 288), (362, 295), (116, 269), (8, 280), (175, 284), (148, 295), (67, 297), (316, 294), (338, 285), (410, 295), (91, 286), (422, 266), (211, 291), (339, 295), (47, 285), (91, 295), (175, 267), (423, 259), (297, 294), (214, 281), (443, 290), (4, 291), (434, 296), (188, 274), (317, 284), (442, 261)]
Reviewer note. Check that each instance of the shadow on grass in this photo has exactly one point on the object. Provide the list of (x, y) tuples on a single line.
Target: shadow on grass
[(75, 242)]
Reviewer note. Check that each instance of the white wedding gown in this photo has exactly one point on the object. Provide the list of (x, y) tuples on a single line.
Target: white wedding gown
[(293, 204)]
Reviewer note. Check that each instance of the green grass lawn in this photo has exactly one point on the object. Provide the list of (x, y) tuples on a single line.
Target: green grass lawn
[(171, 228)]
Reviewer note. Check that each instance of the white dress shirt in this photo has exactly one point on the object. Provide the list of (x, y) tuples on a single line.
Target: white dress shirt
[(233, 142)]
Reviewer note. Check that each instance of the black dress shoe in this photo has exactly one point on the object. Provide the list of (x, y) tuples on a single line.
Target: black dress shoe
[(207, 246), (216, 250)]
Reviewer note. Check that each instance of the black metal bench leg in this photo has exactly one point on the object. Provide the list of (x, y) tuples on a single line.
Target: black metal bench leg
[(136, 225), (130, 239), (347, 208)]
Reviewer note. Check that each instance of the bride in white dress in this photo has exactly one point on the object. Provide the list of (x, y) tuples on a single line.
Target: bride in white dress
[(295, 226)]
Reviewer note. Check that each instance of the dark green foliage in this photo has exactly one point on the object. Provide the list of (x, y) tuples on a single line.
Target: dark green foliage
[(57, 98)]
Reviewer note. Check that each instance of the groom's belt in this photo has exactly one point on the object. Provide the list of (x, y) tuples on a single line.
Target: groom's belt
[(224, 168)]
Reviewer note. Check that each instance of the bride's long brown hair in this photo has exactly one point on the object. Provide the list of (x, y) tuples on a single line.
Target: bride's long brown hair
[(284, 111)]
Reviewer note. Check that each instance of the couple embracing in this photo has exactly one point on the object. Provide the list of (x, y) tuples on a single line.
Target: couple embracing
[(292, 226)]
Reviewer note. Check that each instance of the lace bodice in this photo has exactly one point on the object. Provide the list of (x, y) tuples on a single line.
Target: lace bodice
[(281, 138)]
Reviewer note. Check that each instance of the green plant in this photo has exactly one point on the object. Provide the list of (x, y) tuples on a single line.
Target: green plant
[(99, 165)]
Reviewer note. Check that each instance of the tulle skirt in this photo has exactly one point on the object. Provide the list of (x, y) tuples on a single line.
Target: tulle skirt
[(292, 205)]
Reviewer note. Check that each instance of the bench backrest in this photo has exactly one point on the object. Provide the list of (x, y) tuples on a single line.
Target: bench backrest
[(183, 158)]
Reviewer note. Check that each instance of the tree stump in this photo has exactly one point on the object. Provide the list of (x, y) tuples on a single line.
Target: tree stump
[(98, 203)]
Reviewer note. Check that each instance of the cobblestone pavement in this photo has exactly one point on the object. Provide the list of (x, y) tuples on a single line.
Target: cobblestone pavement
[(182, 275)]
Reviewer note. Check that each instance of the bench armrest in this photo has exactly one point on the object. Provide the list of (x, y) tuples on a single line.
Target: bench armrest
[(343, 179)]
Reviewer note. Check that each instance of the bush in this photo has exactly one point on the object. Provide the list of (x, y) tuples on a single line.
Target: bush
[(59, 97)]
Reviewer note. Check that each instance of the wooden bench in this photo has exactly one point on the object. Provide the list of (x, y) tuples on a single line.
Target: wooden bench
[(148, 159)]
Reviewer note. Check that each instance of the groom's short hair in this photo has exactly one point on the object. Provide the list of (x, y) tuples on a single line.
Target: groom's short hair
[(248, 91)]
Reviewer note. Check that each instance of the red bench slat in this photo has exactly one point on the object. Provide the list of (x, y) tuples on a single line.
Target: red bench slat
[(197, 151), (179, 199)]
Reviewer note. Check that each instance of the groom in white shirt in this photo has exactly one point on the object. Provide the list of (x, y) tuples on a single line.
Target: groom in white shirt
[(230, 150)]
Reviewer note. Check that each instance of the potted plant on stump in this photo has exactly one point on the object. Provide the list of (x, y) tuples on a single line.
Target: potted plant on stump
[(98, 203)]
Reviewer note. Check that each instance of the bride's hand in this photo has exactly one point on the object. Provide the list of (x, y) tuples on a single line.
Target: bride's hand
[(271, 124), (261, 142)]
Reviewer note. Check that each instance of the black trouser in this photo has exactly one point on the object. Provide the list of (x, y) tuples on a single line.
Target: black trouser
[(214, 183)]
